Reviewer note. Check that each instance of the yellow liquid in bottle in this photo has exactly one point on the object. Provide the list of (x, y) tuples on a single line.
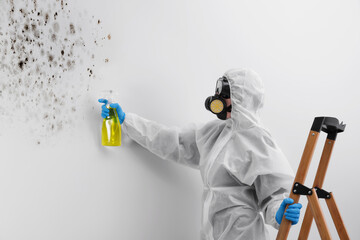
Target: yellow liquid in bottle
[(111, 130)]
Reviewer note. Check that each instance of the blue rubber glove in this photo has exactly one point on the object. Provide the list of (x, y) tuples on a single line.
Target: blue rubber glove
[(292, 212), (105, 111)]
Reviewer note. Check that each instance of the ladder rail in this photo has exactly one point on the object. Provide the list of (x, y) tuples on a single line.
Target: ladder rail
[(318, 216), (336, 217), (318, 182), (300, 177)]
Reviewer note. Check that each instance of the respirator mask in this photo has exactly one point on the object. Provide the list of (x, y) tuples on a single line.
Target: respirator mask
[(217, 104)]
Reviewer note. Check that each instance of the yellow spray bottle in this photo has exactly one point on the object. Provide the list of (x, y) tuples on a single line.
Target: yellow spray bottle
[(111, 128)]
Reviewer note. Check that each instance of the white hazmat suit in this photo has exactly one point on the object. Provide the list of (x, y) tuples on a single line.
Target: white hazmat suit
[(243, 170)]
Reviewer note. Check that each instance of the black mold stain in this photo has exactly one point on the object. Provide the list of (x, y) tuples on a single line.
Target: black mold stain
[(72, 28), (40, 47), (46, 18), (21, 65)]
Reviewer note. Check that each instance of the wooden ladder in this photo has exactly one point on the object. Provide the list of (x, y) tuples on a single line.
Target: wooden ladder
[(332, 127)]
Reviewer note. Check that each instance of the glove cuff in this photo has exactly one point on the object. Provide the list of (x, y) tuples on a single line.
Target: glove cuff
[(122, 118)]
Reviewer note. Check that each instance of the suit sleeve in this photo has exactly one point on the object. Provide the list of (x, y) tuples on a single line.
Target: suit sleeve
[(264, 166), (178, 145), (273, 184), (271, 191)]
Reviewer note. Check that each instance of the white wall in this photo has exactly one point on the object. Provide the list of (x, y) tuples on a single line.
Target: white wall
[(164, 59)]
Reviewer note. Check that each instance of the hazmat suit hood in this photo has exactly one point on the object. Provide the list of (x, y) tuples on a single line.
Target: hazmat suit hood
[(247, 97)]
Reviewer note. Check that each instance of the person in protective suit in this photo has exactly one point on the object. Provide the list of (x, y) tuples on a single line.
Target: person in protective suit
[(243, 170)]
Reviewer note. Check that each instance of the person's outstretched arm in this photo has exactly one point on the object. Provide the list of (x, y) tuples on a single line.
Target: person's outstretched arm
[(169, 143)]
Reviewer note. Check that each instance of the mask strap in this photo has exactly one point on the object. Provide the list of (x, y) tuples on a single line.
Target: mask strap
[(228, 109)]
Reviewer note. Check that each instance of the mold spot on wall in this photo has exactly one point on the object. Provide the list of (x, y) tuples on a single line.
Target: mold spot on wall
[(72, 28), (46, 50)]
